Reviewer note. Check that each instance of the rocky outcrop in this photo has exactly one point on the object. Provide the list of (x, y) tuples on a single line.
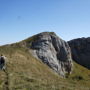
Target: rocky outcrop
[(53, 51), (81, 51)]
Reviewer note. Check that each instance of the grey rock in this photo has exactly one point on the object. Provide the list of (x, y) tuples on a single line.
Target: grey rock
[(2, 62), (81, 51), (53, 51)]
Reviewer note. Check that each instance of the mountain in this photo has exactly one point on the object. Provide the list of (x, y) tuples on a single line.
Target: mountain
[(53, 51), (81, 51), (24, 71)]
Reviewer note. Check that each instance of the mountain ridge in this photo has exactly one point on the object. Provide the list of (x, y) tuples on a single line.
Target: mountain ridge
[(80, 48), (25, 72)]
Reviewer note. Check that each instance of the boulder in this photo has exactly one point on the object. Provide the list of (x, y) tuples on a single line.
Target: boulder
[(2, 63)]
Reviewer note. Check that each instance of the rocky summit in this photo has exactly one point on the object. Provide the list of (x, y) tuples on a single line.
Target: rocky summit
[(53, 51), (81, 51)]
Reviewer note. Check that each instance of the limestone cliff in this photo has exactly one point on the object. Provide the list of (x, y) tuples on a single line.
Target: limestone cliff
[(53, 51)]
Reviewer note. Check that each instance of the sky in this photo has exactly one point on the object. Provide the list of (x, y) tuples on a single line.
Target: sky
[(20, 19)]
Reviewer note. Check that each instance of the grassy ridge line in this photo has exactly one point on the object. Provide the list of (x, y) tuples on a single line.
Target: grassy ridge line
[(27, 73)]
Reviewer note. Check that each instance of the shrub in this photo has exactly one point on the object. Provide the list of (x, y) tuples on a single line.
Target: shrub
[(78, 77)]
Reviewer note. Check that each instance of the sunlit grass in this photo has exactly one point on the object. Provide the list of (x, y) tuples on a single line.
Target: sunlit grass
[(27, 73)]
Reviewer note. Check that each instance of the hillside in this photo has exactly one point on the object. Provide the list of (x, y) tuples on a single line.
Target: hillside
[(25, 72)]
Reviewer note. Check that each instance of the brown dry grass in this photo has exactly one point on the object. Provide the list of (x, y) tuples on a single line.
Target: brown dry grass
[(27, 73)]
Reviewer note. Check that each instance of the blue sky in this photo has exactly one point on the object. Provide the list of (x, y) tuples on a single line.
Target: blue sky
[(20, 19)]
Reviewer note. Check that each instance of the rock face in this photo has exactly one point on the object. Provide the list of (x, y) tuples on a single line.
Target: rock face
[(81, 51), (53, 51)]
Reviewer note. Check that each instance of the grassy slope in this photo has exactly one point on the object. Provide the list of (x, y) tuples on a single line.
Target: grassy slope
[(24, 72)]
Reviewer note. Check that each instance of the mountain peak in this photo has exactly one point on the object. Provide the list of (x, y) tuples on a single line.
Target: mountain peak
[(53, 51)]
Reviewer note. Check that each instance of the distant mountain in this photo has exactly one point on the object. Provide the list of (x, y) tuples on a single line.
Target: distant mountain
[(81, 51), (37, 63)]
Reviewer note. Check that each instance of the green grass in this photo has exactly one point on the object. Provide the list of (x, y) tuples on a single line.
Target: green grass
[(25, 72)]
